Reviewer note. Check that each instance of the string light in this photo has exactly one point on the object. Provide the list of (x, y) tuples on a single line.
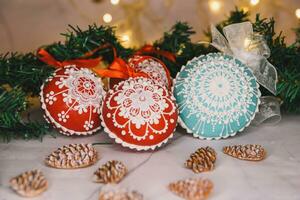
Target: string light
[(114, 2), (215, 5), (297, 13), (107, 18), (254, 2)]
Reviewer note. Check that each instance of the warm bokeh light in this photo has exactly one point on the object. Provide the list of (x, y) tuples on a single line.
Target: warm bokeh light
[(214, 5), (245, 9), (125, 38), (297, 13), (254, 2), (114, 2), (143, 20), (107, 18)]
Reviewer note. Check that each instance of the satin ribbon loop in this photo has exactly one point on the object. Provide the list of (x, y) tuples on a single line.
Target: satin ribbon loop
[(83, 61), (44, 56), (47, 58), (149, 49), (119, 69)]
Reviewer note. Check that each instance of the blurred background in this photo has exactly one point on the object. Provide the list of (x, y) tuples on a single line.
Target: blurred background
[(25, 25)]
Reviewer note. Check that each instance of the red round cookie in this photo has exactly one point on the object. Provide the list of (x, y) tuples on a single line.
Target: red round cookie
[(151, 66), (154, 67), (139, 113), (71, 99)]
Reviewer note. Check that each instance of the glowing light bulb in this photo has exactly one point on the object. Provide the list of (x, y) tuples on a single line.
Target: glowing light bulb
[(107, 18), (254, 2), (114, 2), (297, 13), (215, 5)]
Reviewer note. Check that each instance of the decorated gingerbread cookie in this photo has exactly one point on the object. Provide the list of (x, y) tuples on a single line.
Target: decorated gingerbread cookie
[(153, 67), (217, 96), (139, 113), (71, 99)]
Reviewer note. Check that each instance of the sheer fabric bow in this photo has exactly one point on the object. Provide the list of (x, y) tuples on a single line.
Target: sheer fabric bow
[(241, 42)]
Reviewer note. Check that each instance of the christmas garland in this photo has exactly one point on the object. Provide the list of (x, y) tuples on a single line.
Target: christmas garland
[(23, 74)]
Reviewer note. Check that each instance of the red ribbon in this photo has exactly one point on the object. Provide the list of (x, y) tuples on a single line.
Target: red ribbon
[(117, 69), (46, 57), (120, 69), (149, 49)]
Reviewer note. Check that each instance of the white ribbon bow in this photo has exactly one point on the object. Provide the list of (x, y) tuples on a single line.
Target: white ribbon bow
[(241, 42)]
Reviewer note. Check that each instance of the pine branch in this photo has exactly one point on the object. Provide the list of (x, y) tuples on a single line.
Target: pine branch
[(286, 60), (235, 16), (175, 41), (23, 71), (78, 42), (12, 104), (297, 32), (178, 41), (26, 131)]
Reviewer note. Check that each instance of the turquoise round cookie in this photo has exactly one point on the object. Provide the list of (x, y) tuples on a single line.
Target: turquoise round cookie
[(217, 96)]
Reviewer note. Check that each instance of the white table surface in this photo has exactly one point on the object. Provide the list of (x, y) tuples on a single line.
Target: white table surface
[(276, 177)]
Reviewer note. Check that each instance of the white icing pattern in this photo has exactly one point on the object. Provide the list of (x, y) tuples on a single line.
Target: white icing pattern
[(216, 96), (154, 69), (80, 90), (143, 104)]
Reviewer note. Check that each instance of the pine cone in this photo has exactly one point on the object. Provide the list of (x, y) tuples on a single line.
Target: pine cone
[(202, 160), (111, 172), (120, 195), (192, 188), (251, 152), (29, 184), (72, 156)]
